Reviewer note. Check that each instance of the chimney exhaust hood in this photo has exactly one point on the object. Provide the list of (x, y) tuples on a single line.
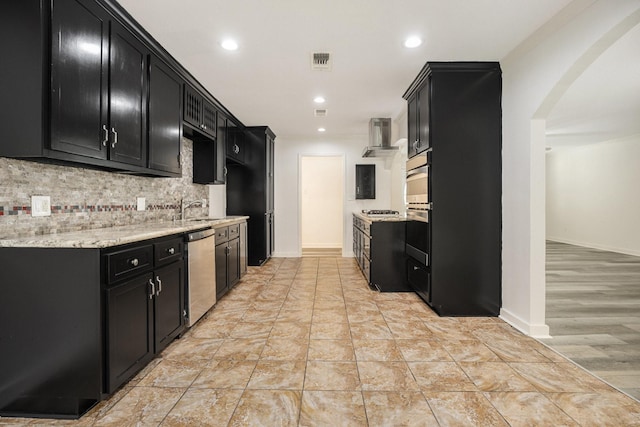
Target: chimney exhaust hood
[(380, 139)]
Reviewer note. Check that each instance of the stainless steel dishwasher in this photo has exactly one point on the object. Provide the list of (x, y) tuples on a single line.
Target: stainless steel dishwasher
[(201, 273)]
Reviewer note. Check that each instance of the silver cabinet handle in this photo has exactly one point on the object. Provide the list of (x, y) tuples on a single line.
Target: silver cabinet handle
[(159, 285), (135, 262), (153, 289), (115, 137), (236, 149), (106, 135), (415, 268), (171, 251)]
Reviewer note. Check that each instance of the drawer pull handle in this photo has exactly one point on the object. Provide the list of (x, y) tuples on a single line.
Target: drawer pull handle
[(135, 262), (153, 289), (415, 268), (159, 285), (171, 251)]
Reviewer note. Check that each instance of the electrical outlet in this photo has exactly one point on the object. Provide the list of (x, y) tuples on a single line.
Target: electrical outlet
[(141, 203), (40, 206)]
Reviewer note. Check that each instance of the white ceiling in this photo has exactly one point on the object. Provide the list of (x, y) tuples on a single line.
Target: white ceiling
[(269, 81)]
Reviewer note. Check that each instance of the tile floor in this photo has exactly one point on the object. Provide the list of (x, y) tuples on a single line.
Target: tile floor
[(593, 311), (304, 342)]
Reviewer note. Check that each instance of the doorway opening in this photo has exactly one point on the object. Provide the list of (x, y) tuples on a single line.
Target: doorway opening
[(322, 205)]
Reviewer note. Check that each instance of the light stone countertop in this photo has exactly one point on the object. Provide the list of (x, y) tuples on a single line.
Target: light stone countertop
[(368, 218), (119, 235)]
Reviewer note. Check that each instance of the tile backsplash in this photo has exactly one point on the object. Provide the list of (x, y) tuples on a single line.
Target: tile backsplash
[(85, 198)]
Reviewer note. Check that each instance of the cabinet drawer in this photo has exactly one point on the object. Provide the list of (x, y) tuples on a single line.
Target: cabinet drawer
[(129, 262), (222, 235), (234, 231), (167, 251)]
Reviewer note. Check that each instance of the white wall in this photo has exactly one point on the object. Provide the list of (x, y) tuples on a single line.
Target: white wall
[(322, 196), (592, 195), (287, 188), (535, 75)]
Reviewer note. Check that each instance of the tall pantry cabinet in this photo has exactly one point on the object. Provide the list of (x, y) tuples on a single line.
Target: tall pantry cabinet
[(250, 191), (455, 115)]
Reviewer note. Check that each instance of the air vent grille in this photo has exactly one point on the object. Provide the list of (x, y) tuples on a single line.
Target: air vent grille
[(321, 61), (320, 112)]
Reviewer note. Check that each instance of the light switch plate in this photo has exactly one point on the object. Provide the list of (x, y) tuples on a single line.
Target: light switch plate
[(40, 206), (141, 203)]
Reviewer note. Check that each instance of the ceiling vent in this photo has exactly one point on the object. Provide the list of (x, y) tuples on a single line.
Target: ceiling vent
[(320, 112), (321, 61)]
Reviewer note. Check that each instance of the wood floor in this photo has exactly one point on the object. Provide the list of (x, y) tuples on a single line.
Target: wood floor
[(593, 311)]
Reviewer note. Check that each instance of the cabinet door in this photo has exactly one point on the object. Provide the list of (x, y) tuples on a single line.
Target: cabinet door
[(235, 143), (79, 55), (208, 118), (270, 172), (221, 270), (168, 304), (192, 110), (127, 97), (221, 158), (412, 120), (233, 262), (129, 309), (165, 123), (424, 116)]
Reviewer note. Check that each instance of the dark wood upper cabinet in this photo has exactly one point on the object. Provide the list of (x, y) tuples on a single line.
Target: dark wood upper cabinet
[(165, 121), (199, 113), (79, 85), (365, 181)]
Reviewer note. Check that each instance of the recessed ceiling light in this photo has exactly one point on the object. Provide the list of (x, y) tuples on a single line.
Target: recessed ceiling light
[(319, 100), (321, 129), (229, 44), (413, 41)]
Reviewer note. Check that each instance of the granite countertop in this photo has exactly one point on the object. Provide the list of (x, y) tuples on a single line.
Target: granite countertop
[(368, 218), (120, 235)]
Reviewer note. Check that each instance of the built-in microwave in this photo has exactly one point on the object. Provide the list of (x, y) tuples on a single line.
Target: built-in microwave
[(417, 187)]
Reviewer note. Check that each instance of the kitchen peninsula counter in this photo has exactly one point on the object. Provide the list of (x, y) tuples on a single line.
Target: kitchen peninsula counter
[(118, 235)]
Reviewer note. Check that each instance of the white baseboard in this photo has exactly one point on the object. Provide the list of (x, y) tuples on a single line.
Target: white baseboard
[(625, 251), (286, 255), (535, 331)]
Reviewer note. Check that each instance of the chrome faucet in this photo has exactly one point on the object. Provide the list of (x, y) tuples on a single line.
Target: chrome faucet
[(184, 205)]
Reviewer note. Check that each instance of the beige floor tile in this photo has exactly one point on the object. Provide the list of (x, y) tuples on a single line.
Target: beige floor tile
[(365, 316), (331, 350), (251, 330), (515, 351), (225, 374), (377, 350), (414, 350), (338, 315), (463, 409), (240, 349), (386, 376), (398, 409), (267, 408), (332, 408), (173, 373), (290, 330), (190, 348), (277, 375), (141, 406), (552, 377), (441, 376), (321, 375), (285, 349), (336, 331), (261, 315), (370, 331), (531, 409), (495, 376), (203, 407), (302, 316), (410, 330), (470, 351)]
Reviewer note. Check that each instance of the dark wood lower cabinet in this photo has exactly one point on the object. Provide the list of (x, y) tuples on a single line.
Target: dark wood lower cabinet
[(228, 271)]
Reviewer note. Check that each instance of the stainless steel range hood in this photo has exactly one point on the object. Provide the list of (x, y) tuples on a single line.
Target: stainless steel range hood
[(380, 139)]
